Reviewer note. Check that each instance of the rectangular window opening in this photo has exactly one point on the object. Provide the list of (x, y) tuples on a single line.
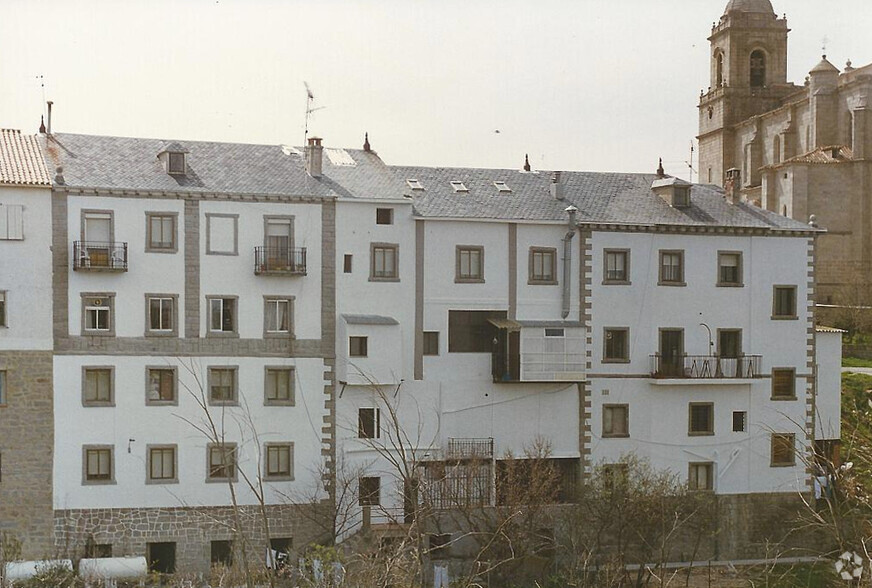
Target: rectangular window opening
[(357, 346), (384, 216), (431, 342)]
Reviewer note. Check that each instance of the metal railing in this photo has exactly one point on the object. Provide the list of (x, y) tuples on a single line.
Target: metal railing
[(279, 260), (100, 255), (470, 448), (705, 366)]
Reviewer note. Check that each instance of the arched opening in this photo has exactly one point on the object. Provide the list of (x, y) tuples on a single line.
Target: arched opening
[(758, 69), (784, 210), (849, 135), (719, 70), (776, 149)]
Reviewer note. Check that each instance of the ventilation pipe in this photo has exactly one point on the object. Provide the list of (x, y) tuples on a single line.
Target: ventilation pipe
[(48, 126), (567, 258)]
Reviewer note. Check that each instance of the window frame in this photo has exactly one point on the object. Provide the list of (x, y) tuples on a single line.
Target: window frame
[(532, 279), (625, 358), (177, 156), (719, 342), (740, 278), (149, 242), (269, 300), (711, 419), (376, 422), (347, 263), (782, 397), (380, 218), (174, 315), (681, 268), (459, 252), (364, 339), (710, 476), (174, 449), (234, 332), (87, 303), (232, 450), (784, 317), (97, 402), (744, 417), (372, 498), (624, 411), (776, 438), (427, 346), (281, 475), (4, 307), (234, 400), (89, 481), (174, 401), (209, 217), (373, 249), (607, 281), (277, 401)]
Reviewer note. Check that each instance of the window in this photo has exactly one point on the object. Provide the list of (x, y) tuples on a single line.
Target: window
[(431, 343), (784, 302), (729, 268), (701, 417), (222, 385), (719, 70), (672, 268), (459, 187), (670, 359), (783, 384), (12, 222), (543, 265), (740, 421), (616, 344), (615, 476), (161, 232), (357, 346), (221, 552), (162, 464), (368, 491), (161, 557), (368, 423), (346, 263), (469, 331), (277, 316), (758, 69), (160, 315), (279, 386), (3, 309), (222, 234), (384, 216), (700, 476), (617, 266), (176, 163), (222, 315), (279, 460), (554, 332), (97, 314), (729, 343), (97, 386), (385, 257), (3, 399), (221, 465), (161, 385), (470, 264), (97, 464), (502, 187), (616, 420), (415, 184), (783, 450)]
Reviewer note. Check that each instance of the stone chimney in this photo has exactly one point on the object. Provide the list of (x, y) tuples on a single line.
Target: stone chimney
[(733, 185), (314, 155), (556, 186)]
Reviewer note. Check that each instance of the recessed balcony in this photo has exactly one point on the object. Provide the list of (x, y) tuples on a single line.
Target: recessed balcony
[(99, 256), (279, 261), (705, 367)]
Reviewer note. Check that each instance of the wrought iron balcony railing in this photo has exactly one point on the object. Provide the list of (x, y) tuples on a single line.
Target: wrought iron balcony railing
[(470, 448), (705, 366), (100, 256), (279, 261)]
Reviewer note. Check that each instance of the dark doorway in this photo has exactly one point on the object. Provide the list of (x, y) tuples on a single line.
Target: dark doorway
[(671, 351), (222, 553), (161, 557)]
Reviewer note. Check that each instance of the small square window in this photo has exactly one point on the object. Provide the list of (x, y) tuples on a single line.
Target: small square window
[(616, 345), (701, 476), (385, 262), (369, 490), (368, 423), (161, 232), (279, 461), (783, 449), (543, 265), (616, 420), (784, 302), (729, 269), (3, 309), (357, 346), (740, 421), (616, 266), (221, 462), (161, 385), (162, 464), (279, 386), (470, 264), (783, 384), (277, 317), (431, 342), (672, 268), (222, 315), (97, 464), (222, 385), (701, 417), (346, 263), (97, 314), (459, 186), (384, 216), (97, 386)]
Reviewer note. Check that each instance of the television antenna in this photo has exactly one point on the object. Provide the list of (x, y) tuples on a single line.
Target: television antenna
[(690, 165), (310, 99)]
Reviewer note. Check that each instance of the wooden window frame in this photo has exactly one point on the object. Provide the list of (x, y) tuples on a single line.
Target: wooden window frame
[(174, 451), (93, 481), (150, 247), (532, 279), (86, 369), (792, 396), (374, 249), (291, 373), (459, 251), (616, 282), (681, 268), (270, 475)]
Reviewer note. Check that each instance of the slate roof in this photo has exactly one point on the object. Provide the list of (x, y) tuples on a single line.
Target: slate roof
[(606, 198), (369, 319), (21, 163)]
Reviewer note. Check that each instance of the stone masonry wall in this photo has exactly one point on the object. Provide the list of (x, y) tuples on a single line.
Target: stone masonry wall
[(26, 444)]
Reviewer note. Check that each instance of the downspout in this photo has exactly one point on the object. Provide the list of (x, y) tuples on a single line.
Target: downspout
[(567, 258)]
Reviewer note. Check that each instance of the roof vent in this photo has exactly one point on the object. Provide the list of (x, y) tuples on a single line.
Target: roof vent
[(458, 186)]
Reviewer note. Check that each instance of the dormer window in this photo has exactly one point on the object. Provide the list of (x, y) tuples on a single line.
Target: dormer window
[(176, 163), (681, 199), (415, 184), (502, 187), (174, 158), (459, 187)]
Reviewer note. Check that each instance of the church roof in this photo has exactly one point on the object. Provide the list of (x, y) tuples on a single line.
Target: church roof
[(824, 66), (764, 6)]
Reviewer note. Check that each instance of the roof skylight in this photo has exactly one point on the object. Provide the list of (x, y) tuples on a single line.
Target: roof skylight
[(415, 184), (458, 186), (502, 187)]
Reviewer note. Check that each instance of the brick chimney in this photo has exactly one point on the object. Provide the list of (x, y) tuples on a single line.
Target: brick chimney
[(314, 155), (732, 186)]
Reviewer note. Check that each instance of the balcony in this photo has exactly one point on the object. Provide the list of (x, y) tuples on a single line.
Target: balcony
[(279, 261), (705, 367), (100, 256)]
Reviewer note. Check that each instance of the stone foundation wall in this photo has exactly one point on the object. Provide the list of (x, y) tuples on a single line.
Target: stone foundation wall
[(26, 445), (192, 529)]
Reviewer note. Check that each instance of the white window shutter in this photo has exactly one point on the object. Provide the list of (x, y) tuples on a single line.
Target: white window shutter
[(15, 222), (3, 213)]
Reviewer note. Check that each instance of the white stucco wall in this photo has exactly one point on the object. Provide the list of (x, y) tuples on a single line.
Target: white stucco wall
[(828, 350)]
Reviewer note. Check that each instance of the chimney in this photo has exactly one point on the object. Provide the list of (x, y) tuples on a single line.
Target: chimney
[(48, 127), (661, 173), (556, 186), (59, 176), (366, 146), (732, 186), (314, 153), (526, 162)]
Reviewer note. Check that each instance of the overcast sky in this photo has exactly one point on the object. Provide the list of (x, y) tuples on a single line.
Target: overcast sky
[(602, 85)]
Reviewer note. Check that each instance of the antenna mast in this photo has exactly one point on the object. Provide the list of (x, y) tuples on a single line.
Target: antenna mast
[(690, 165), (310, 98)]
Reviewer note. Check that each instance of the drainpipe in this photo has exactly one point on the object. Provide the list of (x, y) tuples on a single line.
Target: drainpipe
[(567, 258)]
